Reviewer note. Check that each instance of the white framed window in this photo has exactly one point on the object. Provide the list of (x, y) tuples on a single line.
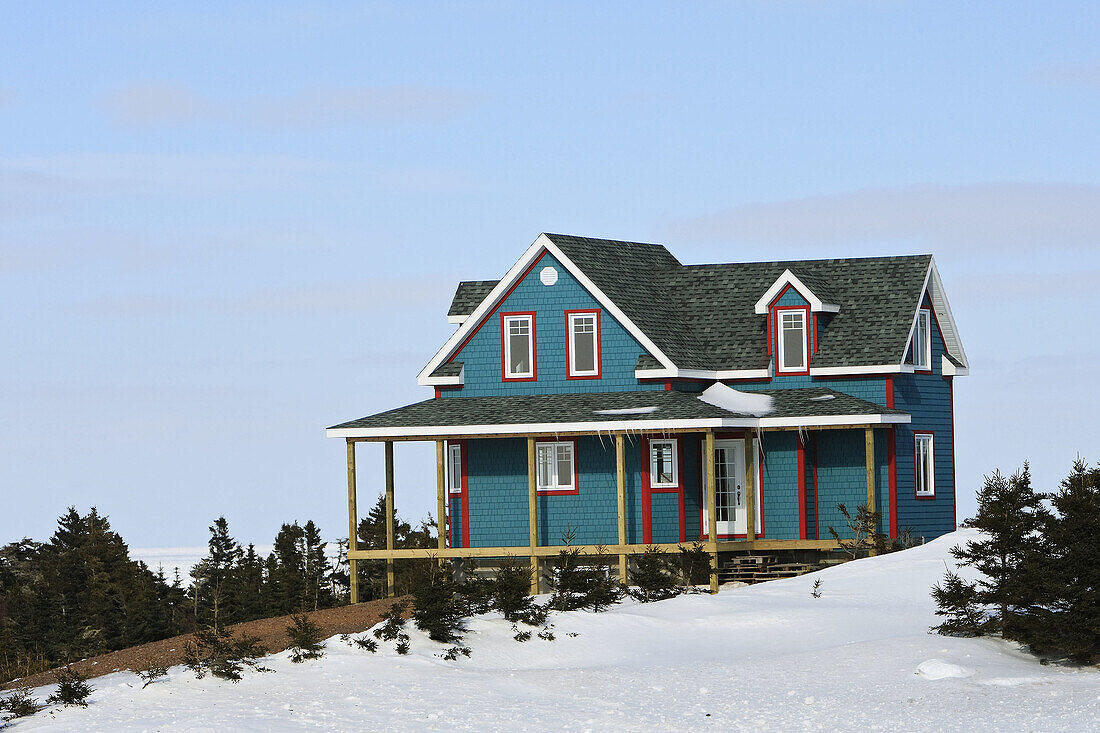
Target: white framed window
[(792, 340), (920, 351), (663, 464), (518, 331), (584, 344), (555, 466), (454, 467), (925, 464)]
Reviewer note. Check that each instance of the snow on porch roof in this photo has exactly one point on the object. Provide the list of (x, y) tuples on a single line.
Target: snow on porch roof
[(610, 411)]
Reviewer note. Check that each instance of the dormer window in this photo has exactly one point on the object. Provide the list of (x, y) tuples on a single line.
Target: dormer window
[(792, 340), (583, 344), (920, 350), (518, 345)]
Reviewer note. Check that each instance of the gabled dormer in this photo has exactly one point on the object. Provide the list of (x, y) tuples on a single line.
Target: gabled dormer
[(792, 305)]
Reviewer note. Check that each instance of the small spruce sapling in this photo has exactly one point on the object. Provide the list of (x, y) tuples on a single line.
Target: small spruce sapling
[(438, 610), (218, 652), (19, 704), (510, 594), (72, 689), (154, 673), (394, 622), (816, 592), (306, 639), (695, 564), (653, 576), (602, 590), (402, 646)]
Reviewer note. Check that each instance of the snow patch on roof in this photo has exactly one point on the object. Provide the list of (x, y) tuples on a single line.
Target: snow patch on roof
[(728, 398), (822, 398), (627, 411)]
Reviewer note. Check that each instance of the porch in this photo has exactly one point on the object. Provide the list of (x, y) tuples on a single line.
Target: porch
[(624, 421)]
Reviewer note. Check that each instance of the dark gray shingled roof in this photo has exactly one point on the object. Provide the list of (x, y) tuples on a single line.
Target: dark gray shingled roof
[(469, 295), (702, 316), (448, 369), (584, 407)]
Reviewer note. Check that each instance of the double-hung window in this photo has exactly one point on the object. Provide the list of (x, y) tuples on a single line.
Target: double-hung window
[(663, 464), (518, 331), (792, 340), (584, 344), (555, 464), (921, 348), (925, 464), (454, 453)]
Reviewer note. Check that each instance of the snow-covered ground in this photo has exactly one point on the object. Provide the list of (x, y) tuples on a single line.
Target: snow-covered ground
[(768, 657)]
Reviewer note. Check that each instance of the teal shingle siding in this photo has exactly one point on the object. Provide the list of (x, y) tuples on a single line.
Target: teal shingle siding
[(666, 516), (780, 503), (619, 350), (927, 397), (693, 482), (455, 519)]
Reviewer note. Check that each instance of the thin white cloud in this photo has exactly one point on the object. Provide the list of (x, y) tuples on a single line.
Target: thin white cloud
[(985, 217), (159, 104)]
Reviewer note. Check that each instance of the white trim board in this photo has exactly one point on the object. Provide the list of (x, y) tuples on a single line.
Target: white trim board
[(789, 278), (618, 426)]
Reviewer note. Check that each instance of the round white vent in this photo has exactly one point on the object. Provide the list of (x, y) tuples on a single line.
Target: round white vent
[(549, 276)]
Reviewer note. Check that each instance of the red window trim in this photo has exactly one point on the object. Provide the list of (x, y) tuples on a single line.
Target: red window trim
[(576, 469), (776, 313), (648, 490), (569, 340), (534, 349), (924, 497)]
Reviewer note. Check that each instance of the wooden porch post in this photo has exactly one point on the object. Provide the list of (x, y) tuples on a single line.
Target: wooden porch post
[(620, 477), (533, 513), (750, 493), (353, 521), (441, 494), (869, 450), (391, 591), (712, 517)]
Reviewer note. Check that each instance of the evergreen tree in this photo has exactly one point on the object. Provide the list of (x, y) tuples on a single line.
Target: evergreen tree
[(287, 577), (372, 536), (315, 568), (1010, 514), (864, 530), (957, 601), (653, 576), (307, 641), (437, 609), (215, 576), (1066, 621), (249, 583)]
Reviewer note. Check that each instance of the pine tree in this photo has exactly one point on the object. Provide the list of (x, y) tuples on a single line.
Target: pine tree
[(287, 577), (437, 609), (957, 601), (215, 575), (510, 593), (1066, 621), (1010, 514), (315, 568), (653, 576), (307, 641)]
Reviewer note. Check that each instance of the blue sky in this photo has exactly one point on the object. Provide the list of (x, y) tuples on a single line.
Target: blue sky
[(224, 227)]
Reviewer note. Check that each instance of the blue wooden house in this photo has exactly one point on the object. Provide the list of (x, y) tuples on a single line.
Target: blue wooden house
[(602, 391)]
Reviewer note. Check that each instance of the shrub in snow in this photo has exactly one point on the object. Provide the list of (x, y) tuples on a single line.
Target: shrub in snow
[(653, 576), (1066, 619), (218, 652), (72, 689), (306, 639), (19, 704), (476, 590), (957, 601), (695, 564), (567, 581), (437, 608), (455, 652), (153, 674), (394, 623), (816, 590), (511, 594), (402, 646), (521, 635), (864, 530), (603, 589), (363, 642)]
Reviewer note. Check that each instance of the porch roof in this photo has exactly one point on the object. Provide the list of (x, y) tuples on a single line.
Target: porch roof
[(593, 412)]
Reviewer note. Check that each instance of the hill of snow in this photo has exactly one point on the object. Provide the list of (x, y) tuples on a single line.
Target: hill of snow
[(768, 657)]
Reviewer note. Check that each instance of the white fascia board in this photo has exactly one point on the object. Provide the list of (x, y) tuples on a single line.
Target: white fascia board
[(850, 370), (945, 317), (523, 428), (490, 302), (950, 370), (457, 319), (701, 374), (825, 420), (655, 426), (789, 278)]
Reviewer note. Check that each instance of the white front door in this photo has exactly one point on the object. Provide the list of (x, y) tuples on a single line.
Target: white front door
[(729, 488)]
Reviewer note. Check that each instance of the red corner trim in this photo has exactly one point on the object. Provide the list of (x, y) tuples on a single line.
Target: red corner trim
[(892, 477)]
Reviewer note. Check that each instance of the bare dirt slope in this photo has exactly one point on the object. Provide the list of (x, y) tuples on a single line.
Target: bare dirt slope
[(169, 652)]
